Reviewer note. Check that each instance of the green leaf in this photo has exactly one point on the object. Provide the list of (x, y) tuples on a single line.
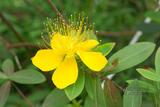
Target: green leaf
[(157, 65), (157, 61), (75, 90), (99, 97), (27, 76), (131, 56), (144, 86), (1, 81), (90, 85), (4, 93), (56, 98), (89, 102), (112, 94), (105, 48), (2, 75), (149, 75), (155, 16), (8, 67), (132, 96), (38, 95)]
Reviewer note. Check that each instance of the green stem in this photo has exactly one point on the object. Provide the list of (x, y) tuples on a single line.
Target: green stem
[(28, 102), (76, 103)]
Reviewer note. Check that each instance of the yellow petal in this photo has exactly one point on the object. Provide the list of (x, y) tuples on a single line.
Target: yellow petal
[(93, 60), (66, 74), (47, 59), (88, 45)]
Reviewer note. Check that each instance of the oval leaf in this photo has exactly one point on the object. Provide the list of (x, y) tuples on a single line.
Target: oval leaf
[(157, 65), (8, 67), (105, 48), (56, 98), (27, 76), (155, 16), (132, 96), (130, 56), (149, 75), (144, 86), (99, 96), (90, 85), (157, 61), (4, 93), (89, 102), (2, 75), (75, 90)]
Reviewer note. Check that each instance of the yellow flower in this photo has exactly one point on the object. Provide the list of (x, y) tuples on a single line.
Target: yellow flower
[(68, 42)]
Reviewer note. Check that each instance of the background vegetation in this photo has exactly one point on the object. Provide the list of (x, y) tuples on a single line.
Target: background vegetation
[(116, 21)]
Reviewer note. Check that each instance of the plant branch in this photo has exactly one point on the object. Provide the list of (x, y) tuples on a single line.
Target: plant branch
[(7, 44), (28, 102), (116, 34), (38, 8), (54, 8), (21, 45), (10, 26)]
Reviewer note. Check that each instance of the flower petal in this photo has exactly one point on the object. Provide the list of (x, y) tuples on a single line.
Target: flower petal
[(47, 59), (88, 44), (66, 74), (93, 60)]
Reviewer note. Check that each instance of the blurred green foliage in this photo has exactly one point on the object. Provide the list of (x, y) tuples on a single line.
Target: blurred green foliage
[(28, 16)]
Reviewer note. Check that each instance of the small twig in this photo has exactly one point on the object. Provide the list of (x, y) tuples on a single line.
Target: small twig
[(21, 45), (17, 34), (54, 8), (118, 86), (16, 59), (36, 7), (10, 26), (7, 44), (116, 34), (28, 102)]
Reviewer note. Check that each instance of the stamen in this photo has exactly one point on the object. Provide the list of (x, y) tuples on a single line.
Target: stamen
[(78, 28), (45, 41)]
